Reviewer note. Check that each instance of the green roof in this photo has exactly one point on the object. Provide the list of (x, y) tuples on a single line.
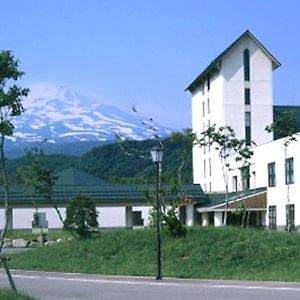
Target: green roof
[(74, 177), (106, 194), (214, 64)]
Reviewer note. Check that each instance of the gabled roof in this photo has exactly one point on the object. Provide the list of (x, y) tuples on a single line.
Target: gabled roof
[(102, 195), (74, 177), (214, 63)]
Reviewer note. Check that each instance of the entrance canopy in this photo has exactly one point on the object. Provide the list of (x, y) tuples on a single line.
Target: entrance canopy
[(253, 200)]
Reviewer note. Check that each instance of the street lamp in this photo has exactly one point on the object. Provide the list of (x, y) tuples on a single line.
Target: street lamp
[(157, 155)]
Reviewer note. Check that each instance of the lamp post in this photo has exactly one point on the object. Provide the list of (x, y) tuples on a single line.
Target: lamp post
[(157, 154)]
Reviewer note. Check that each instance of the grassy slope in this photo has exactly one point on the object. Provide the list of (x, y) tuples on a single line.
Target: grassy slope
[(8, 294), (227, 253)]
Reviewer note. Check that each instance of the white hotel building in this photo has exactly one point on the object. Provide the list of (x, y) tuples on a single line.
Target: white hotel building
[(236, 90)]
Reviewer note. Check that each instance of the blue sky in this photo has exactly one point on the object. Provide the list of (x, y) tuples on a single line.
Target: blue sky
[(145, 53)]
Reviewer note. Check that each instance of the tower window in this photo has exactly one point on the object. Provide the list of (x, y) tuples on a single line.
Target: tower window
[(208, 105), (246, 65), (248, 127), (245, 175), (247, 96)]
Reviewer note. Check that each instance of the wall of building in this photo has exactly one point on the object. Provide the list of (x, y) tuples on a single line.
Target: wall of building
[(207, 109), (227, 107), (277, 195), (260, 85), (108, 217)]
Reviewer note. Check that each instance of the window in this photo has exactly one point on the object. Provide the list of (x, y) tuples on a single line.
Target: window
[(248, 127), (209, 167), (253, 179), (208, 106), (271, 174), (272, 217), (208, 83), (289, 170), (209, 140), (235, 183), (204, 168), (247, 96), (203, 109), (248, 118), (290, 217), (245, 175), (246, 65)]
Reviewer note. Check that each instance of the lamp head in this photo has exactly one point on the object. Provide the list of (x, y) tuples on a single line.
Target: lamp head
[(157, 154)]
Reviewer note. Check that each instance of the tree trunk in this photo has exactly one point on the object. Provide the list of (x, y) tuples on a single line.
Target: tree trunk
[(179, 171), (6, 194), (225, 177), (58, 213), (243, 218), (288, 225), (248, 218), (6, 207)]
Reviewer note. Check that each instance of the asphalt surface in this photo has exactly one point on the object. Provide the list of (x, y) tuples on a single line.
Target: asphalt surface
[(66, 286)]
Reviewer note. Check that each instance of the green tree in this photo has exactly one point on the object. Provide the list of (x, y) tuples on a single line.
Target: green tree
[(285, 127), (171, 222), (38, 179), (81, 216), (225, 142), (11, 96), (186, 141)]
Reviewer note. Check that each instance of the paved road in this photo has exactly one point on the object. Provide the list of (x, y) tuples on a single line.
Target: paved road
[(62, 286)]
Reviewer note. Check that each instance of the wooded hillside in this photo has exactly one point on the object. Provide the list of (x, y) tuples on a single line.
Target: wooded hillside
[(121, 163)]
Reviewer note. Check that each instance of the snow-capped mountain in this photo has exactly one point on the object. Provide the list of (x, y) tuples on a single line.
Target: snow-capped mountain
[(59, 115)]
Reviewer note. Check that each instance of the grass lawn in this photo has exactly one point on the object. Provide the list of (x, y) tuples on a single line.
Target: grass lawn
[(211, 253), (28, 235), (11, 295)]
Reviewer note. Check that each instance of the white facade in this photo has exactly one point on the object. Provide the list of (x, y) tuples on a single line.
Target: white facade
[(218, 97), (109, 217), (280, 193)]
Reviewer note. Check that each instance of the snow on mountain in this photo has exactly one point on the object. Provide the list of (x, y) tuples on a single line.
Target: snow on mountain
[(59, 115)]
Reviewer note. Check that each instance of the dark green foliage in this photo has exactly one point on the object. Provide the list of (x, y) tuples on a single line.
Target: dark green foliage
[(131, 162), (10, 94), (35, 176), (172, 224), (81, 216), (112, 163), (55, 162), (284, 126)]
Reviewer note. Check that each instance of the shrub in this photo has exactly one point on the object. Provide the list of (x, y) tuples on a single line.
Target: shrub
[(81, 216), (173, 226)]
